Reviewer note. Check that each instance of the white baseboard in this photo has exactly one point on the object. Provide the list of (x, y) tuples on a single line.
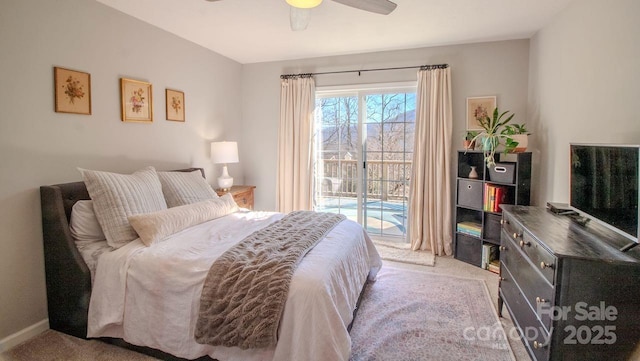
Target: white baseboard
[(23, 335)]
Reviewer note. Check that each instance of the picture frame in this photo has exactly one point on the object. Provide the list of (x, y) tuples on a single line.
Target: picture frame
[(136, 101), (479, 106), (175, 105), (72, 91)]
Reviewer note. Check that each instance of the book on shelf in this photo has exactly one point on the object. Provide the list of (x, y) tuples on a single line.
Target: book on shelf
[(471, 228), (494, 196), (489, 253), (494, 266)]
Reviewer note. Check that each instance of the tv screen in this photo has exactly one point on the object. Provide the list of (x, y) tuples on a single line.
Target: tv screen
[(604, 185)]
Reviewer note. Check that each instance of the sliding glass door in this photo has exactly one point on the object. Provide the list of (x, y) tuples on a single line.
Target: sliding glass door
[(364, 146)]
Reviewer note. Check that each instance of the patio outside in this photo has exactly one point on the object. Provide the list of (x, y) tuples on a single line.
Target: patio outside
[(384, 204)]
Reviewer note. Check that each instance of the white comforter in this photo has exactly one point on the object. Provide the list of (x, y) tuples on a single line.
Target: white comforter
[(150, 296)]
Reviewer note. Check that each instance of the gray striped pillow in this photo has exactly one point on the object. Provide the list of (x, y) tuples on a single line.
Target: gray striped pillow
[(182, 188), (118, 196)]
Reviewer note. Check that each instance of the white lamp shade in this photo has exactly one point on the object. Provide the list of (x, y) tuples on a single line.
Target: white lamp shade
[(304, 4), (224, 152)]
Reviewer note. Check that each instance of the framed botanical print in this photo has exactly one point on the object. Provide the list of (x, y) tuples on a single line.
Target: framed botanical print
[(137, 101), (175, 105), (72, 91), (478, 108)]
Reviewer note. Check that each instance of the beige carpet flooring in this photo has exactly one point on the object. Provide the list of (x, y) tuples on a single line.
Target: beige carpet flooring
[(53, 346)]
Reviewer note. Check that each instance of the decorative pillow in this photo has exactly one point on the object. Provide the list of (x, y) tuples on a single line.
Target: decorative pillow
[(117, 196), (84, 225), (156, 226), (182, 188)]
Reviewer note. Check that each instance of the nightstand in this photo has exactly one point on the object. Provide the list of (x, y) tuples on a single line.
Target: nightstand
[(243, 195)]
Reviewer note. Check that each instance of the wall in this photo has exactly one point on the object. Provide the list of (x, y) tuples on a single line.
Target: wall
[(496, 68), (584, 83), (39, 146)]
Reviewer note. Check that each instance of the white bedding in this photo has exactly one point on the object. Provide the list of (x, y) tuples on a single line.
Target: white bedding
[(149, 296), (91, 252)]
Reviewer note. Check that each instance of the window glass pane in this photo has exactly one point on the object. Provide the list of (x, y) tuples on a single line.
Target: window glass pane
[(387, 143)]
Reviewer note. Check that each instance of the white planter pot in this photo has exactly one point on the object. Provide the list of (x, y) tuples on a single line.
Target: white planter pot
[(523, 142)]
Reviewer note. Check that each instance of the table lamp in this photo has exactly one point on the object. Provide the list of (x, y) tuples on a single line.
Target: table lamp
[(224, 153)]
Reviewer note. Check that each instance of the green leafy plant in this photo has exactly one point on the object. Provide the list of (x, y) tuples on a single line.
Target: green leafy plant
[(491, 134), (509, 131), (469, 137), (513, 129)]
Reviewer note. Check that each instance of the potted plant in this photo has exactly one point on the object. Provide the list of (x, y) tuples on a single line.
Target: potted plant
[(491, 134), (516, 137), (469, 142)]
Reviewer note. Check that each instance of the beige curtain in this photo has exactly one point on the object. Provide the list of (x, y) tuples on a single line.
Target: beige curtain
[(295, 150), (430, 192)]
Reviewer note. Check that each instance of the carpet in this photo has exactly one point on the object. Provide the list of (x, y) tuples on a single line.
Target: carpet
[(412, 315), (401, 252), (404, 315), (55, 346)]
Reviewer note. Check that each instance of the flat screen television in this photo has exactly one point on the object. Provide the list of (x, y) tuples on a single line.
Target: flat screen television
[(604, 185)]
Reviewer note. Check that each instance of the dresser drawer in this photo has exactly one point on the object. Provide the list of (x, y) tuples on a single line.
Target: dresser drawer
[(244, 199), (538, 292), (534, 334), (533, 250), (242, 195)]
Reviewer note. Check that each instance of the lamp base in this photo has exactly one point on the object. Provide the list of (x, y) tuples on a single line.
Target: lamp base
[(225, 181)]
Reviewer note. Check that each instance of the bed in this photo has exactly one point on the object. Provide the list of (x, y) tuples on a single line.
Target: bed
[(160, 315)]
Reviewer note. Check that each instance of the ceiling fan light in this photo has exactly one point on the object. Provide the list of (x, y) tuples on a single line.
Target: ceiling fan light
[(304, 4)]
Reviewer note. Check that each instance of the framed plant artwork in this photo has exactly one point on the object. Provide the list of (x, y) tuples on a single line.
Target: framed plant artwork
[(479, 107), (72, 91), (175, 105), (137, 101)]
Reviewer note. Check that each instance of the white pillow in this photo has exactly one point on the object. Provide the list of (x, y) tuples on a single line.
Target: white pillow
[(156, 226), (182, 188), (84, 225), (117, 196)]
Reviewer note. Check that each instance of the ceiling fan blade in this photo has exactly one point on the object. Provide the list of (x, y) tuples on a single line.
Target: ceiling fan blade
[(384, 7), (299, 18)]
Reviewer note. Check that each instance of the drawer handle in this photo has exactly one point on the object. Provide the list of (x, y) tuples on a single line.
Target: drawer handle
[(541, 300), (502, 279), (469, 186), (517, 235), (523, 243), (545, 265), (503, 222), (244, 200), (503, 248), (537, 344)]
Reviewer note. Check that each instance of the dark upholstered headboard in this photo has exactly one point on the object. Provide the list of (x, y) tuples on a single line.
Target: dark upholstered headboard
[(67, 275)]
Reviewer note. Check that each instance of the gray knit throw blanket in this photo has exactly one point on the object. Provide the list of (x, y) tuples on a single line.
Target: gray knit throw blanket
[(245, 291)]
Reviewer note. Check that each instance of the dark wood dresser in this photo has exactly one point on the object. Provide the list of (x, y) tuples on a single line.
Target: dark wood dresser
[(570, 291)]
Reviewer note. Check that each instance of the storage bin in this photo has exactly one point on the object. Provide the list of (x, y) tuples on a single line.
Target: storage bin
[(502, 172), (469, 249), (470, 193), (492, 227)]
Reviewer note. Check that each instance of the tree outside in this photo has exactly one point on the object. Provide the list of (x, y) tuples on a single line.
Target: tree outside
[(387, 150)]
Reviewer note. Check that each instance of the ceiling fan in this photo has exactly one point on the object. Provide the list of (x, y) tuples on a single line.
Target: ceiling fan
[(301, 9)]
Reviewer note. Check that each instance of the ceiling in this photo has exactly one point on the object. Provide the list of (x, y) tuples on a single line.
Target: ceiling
[(252, 31)]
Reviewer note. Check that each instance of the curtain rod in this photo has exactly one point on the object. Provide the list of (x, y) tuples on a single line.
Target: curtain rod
[(421, 67)]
